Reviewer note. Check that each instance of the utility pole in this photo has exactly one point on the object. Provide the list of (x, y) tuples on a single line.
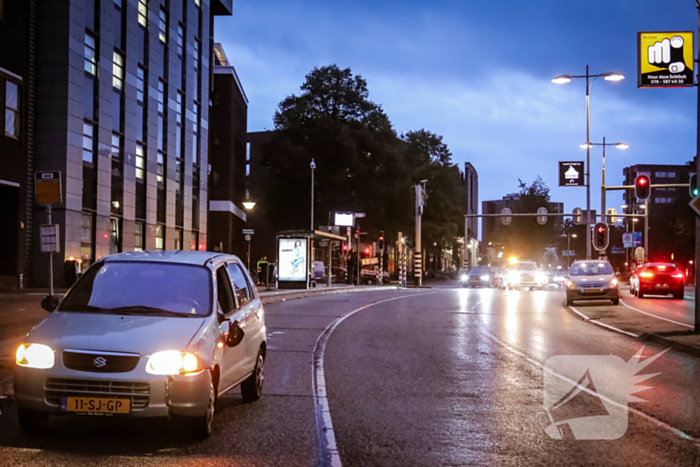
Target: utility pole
[(697, 220), (602, 189), (420, 202)]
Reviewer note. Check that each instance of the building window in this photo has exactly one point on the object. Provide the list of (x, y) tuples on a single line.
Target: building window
[(247, 151), (178, 108), (140, 162), (159, 170), (117, 70), (12, 115), (161, 95), (161, 115), (90, 55), (197, 2), (194, 243), (140, 79), (139, 237), (160, 237), (178, 239), (143, 13), (195, 134), (178, 175), (196, 53), (86, 241), (114, 236), (180, 39), (88, 142), (116, 147), (118, 3), (163, 26)]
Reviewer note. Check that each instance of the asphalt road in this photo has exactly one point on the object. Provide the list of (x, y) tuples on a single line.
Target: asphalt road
[(664, 306), (426, 377)]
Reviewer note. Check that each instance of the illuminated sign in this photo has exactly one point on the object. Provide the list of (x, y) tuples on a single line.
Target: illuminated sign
[(292, 259), (664, 59), (571, 174), (344, 219)]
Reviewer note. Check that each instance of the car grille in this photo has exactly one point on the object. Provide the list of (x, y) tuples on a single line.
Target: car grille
[(57, 388), (591, 285), (99, 362)]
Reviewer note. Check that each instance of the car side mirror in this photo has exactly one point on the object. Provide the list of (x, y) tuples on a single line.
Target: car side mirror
[(235, 334), (49, 303)]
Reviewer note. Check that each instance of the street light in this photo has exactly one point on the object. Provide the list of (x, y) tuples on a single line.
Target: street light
[(602, 182), (563, 79), (248, 205)]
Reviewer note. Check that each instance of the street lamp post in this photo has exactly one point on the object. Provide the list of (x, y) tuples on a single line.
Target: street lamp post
[(563, 79), (602, 183), (313, 167), (568, 258), (248, 205)]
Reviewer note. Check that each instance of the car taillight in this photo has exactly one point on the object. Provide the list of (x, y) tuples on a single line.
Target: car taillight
[(646, 274), (679, 275)]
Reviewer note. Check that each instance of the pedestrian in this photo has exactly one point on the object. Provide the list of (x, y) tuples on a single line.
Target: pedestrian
[(352, 265), (262, 270)]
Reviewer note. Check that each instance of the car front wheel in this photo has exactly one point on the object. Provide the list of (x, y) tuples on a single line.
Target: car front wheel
[(251, 388), (202, 426)]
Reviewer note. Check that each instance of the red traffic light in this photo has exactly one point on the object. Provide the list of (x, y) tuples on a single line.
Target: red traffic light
[(601, 238), (367, 250), (642, 187), (601, 229), (345, 248), (643, 181)]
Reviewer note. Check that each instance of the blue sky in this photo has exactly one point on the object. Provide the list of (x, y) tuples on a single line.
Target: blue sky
[(478, 73)]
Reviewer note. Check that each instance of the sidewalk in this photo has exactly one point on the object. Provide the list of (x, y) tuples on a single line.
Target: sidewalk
[(640, 326), (21, 310)]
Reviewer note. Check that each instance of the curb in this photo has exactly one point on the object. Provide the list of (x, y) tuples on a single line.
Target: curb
[(647, 337), (283, 297)]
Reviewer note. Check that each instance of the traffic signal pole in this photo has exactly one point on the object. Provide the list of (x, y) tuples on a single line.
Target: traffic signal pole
[(697, 220)]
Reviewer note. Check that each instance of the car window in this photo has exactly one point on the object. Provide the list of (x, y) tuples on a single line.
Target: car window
[(225, 296), (479, 270), (591, 269), (142, 288), (524, 267), (240, 284)]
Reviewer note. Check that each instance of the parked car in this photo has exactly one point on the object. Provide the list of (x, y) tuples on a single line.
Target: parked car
[(524, 274), (149, 334), (479, 276), (319, 270), (592, 280), (660, 279)]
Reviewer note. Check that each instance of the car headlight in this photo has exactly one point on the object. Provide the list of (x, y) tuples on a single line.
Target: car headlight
[(172, 362), (570, 284), (541, 277), (613, 283), (35, 356), (463, 277), (485, 278), (513, 276)]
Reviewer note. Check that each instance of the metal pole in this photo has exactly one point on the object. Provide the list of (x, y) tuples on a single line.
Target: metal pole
[(359, 260), (602, 189), (588, 168), (568, 258), (48, 219), (418, 273), (313, 167), (646, 232), (697, 220), (248, 256)]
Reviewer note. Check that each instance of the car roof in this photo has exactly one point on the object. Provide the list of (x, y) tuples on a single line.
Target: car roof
[(170, 256), (589, 261)]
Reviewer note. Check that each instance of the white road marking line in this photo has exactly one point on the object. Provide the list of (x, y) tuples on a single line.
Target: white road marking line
[(573, 383), (595, 321), (328, 450), (654, 316)]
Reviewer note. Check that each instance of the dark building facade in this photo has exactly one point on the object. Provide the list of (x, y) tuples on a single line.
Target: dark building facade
[(660, 175), (119, 104), (264, 240), (229, 159), (471, 188), (491, 224)]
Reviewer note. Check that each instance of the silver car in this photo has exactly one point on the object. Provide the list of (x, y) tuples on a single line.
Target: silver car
[(149, 334), (592, 280)]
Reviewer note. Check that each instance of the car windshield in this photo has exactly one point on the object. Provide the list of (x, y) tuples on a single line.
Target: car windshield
[(524, 267), (142, 288), (479, 270), (663, 268), (591, 269)]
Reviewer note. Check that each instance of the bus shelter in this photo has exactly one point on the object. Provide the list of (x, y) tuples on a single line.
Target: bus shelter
[(296, 255)]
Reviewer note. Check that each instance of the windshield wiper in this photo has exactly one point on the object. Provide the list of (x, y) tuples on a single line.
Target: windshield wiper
[(140, 309)]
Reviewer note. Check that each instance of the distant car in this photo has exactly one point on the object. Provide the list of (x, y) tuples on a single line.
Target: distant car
[(592, 280), (149, 334), (524, 274), (660, 279), (319, 270), (479, 276), (559, 277)]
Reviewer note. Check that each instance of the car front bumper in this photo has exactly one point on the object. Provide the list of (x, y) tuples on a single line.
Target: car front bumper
[(582, 294), (150, 395)]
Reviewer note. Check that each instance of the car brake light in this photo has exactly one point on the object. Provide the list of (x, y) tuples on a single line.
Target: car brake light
[(678, 276), (646, 274)]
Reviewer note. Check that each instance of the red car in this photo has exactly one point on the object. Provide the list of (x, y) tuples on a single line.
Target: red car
[(660, 279)]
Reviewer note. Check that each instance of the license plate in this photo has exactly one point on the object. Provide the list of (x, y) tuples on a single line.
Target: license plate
[(96, 405), (592, 291), (475, 280)]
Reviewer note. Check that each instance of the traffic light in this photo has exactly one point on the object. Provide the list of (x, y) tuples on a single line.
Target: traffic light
[(381, 240), (367, 251), (345, 247), (693, 183), (642, 187), (601, 236)]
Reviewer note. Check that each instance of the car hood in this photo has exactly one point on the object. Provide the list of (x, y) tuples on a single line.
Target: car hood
[(591, 279), (118, 333)]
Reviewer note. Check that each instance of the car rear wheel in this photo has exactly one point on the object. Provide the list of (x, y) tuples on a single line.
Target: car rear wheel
[(679, 295), (251, 388), (32, 421), (615, 301), (639, 294)]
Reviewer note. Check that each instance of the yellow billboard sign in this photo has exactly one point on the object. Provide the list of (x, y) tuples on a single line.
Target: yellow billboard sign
[(665, 59)]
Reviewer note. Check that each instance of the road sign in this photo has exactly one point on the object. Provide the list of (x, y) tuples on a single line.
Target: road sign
[(542, 220), (571, 173), (628, 239), (695, 204), (616, 250), (47, 188), (49, 238), (359, 214), (568, 253), (507, 219), (248, 231), (578, 214), (247, 238), (664, 59)]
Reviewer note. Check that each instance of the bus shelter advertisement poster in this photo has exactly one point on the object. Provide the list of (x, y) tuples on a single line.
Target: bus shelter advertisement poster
[(292, 257)]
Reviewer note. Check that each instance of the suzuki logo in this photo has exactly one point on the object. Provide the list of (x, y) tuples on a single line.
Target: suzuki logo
[(99, 362)]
